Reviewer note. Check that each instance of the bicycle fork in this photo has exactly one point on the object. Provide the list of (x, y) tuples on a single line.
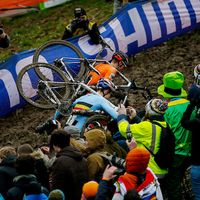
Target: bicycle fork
[(43, 87)]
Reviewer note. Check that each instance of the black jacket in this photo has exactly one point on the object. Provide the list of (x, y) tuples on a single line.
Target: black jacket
[(194, 126), (41, 170), (69, 172), (4, 43), (7, 173)]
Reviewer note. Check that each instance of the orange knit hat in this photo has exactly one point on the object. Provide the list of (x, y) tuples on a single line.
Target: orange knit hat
[(137, 160), (89, 190)]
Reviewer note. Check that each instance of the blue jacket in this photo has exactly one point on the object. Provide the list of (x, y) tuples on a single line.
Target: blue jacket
[(41, 196), (121, 141), (92, 102), (102, 190), (1, 197), (193, 91)]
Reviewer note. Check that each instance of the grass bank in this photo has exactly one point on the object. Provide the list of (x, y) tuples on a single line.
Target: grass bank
[(30, 30)]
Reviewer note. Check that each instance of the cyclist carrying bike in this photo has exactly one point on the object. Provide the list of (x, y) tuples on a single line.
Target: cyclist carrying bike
[(105, 88), (119, 62)]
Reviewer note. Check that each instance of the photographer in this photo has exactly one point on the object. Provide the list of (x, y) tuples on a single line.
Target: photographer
[(81, 25), (4, 39)]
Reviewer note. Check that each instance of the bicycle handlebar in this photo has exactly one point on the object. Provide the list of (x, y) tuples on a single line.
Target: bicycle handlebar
[(104, 43), (135, 87)]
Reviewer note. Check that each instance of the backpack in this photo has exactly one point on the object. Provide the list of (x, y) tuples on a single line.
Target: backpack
[(165, 155)]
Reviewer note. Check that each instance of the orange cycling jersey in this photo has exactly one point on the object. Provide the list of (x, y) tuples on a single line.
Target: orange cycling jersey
[(106, 70)]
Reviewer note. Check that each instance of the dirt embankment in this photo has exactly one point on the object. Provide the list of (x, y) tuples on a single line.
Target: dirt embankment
[(147, 68)]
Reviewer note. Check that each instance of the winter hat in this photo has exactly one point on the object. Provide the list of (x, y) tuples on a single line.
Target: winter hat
[(79, 12), (172, 87), (89, 190), (112, 126), (34, 191), (137, 160), (73, 130), (33, 188), (196, 70), (156, 107), (56, 195)]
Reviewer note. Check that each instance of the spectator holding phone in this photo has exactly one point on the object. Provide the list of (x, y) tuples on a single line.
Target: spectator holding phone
[(81, 25)]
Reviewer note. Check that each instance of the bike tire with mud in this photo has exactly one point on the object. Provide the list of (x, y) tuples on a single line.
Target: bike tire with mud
[(51, 50), (27, 84)]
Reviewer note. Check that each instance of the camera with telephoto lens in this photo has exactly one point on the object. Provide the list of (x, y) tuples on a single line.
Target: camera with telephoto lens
[(78, 20), (48, 126), (118, 162)]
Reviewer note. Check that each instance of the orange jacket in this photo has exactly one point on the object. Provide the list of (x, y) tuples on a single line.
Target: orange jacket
[(106, 70)]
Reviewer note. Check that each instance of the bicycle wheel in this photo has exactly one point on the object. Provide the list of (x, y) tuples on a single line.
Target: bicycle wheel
[(46, 93), (98, 118), (57, 49)]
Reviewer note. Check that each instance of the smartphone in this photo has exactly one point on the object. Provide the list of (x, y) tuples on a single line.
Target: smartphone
[(128, 111)]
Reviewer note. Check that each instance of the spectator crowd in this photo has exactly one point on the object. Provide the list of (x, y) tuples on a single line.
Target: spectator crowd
[(114, 160)]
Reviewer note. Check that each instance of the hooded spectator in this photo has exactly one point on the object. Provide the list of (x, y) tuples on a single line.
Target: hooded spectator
[(95, 141)]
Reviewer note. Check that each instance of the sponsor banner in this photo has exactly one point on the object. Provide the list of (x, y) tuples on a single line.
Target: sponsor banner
[(17, 4), (136, 27), (51, 3)]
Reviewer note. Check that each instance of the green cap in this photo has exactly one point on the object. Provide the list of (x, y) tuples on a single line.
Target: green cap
[(172, 87)]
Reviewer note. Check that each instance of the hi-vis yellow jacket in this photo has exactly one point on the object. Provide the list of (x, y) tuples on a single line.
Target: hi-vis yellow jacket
[(148, 134)]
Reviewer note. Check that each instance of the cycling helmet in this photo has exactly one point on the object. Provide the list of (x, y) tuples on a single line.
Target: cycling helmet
[(93, 124), (121, 56), (196, 70), (106, 84)]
